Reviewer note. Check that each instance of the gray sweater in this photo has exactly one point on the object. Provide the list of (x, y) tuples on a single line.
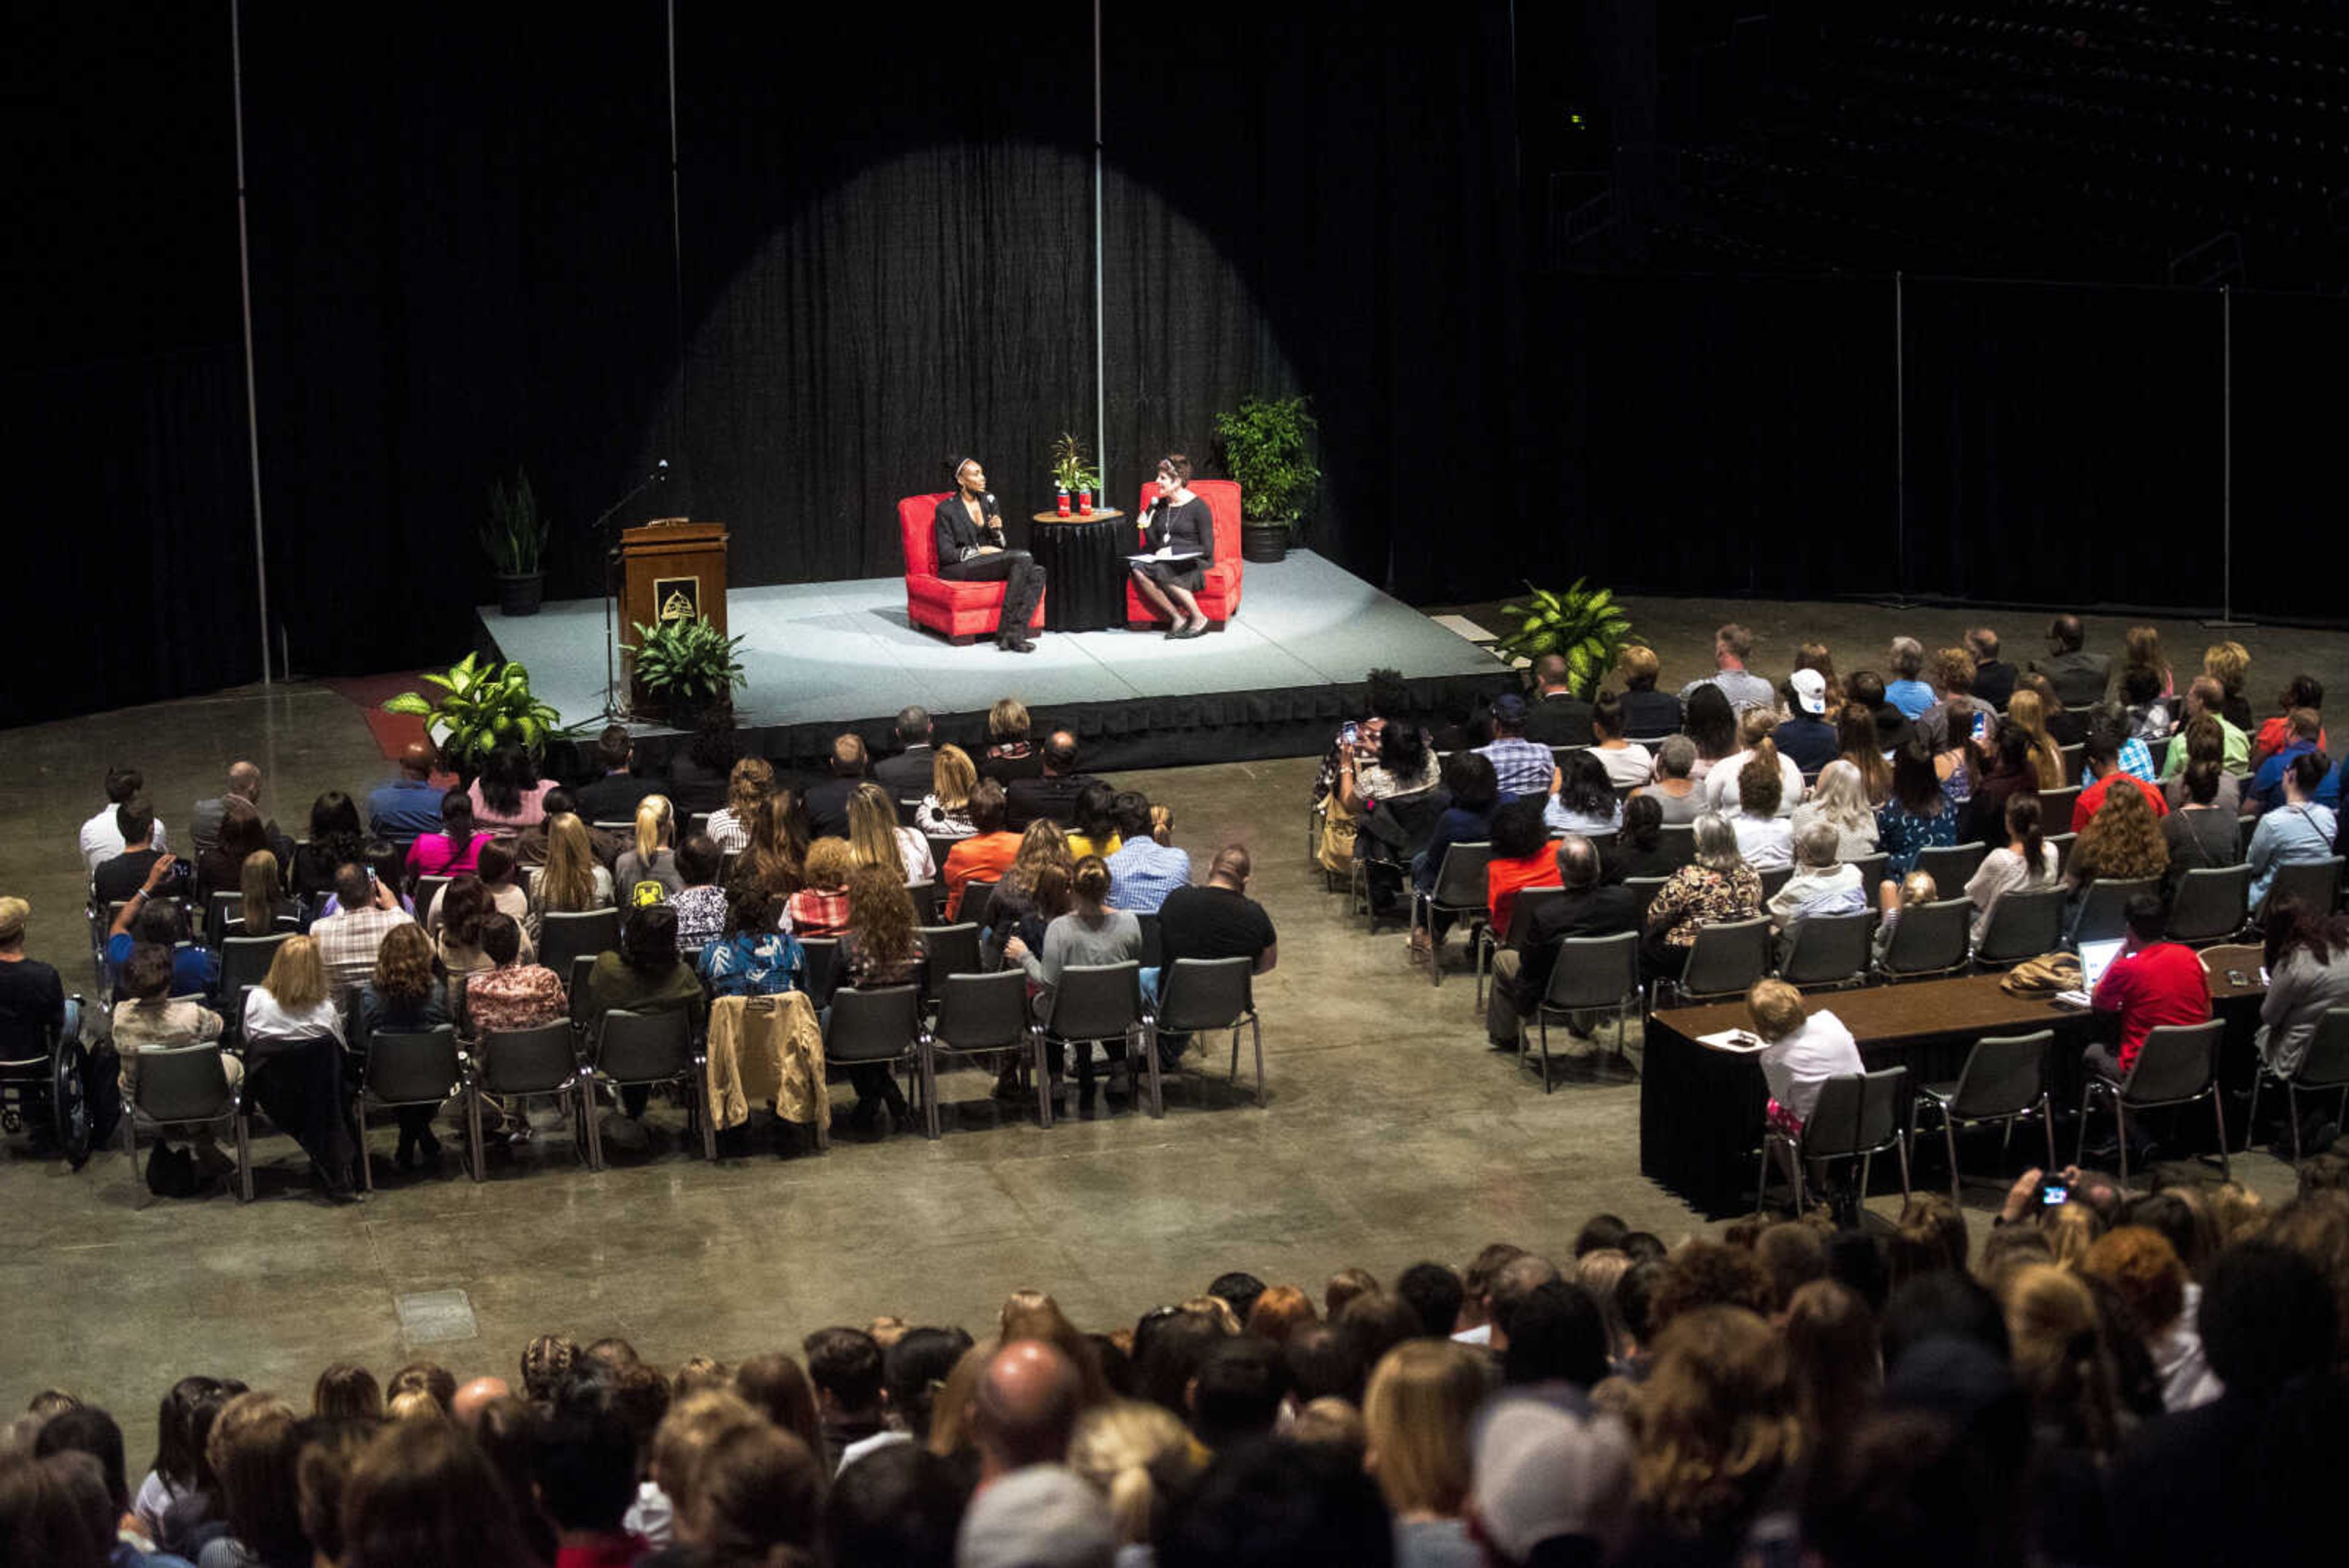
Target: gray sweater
[(1072, 939)]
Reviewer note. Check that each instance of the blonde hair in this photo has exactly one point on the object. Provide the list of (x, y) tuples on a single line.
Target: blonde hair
[(950, 1412), (297, 980), (655, 822), (414, 1405), (2061, 1357), (1637, 663), (567, 882), (873, 830), (1121, 1448), (1777, 1008), (1422, 1397), (828, 862), (1840, 797), (952, 777), (2028, 712), (1007, 720), (257, 882), (2070, 1231), (1331, 1420), (686, 1434), (2226, 663), (1717, 1420)]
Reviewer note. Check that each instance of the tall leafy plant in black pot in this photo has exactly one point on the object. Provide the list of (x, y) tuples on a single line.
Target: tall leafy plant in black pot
[(1267, 447), (515, 537)]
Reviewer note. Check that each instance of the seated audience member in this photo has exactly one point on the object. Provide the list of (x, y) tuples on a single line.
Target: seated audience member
[(2154, 982), (827, 801), (1581, 800), (1993, 678), (1388, 784), (1814, 657), (32, 996), (336, 837), (408, 804), (1892, 726), (1822, 883), (2300, 831), (118, 877), (2142, 1269), (2100, 759), (819, 908), (1522, 767), (294, 1034), (2025, 862), (2203, 742), (1716, 886), (584, 1470), (1521, 970), (1522, 856), (700, 904), (1722, 781), (1094, 830), (496, 874), (612, 793), (2277, 732), (1856, 735), (404, 994), (945, 808), (1718, 1436), (1840, 800), (509, 794), (512, 993), (1713, 725), (1744, 689), (2307, 960), (220, 868), (262, 908), (1089, 932), (2200, 831), (2144, 711), (1806, 739), (1134, 1455), (1957, 712), (1647, 714), (989, 849), (2026, 713), (1628, 763), (458, 942), (456, 849), (908, 775), (696, 778), (1763, 837), (244, 784), (1916, 815), (1906, 690), (2121, 843), (572, 880), (748, 785), (646, 975), (752, 957), (1556, 717), (1143, 872), (648, 869), (2304, 737), (2230, 663), (1015, 909), (532, 846), (2001, 774), (2206, 699), (148, 1019), (2141, 651), (881, 947), (1638, 848), (875, 834), (1218, 920), (1052, 793), (100, 839), (1010, 754), (2066, 726), (349, 939), (1677, 799), (2079, 679), (147, 916), (1801, 1051), (1417, 1412)]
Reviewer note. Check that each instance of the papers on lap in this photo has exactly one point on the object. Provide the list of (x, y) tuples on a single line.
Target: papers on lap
[(1169, 554)]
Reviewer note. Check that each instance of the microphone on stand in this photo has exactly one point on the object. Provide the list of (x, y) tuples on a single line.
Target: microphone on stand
[(660, 471)]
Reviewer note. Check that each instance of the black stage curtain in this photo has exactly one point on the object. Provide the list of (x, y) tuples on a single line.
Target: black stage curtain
[(2291, 405)]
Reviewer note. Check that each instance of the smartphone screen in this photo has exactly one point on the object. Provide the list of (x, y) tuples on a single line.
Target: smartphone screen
[(2054, 1193)]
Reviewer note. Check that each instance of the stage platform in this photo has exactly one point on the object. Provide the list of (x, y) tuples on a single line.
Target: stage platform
[(827, 657)]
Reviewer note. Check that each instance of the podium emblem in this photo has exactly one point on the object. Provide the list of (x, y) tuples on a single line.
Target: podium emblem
[(676, 598)]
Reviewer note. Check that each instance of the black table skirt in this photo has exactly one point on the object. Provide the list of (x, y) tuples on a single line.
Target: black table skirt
[(1086, 563)]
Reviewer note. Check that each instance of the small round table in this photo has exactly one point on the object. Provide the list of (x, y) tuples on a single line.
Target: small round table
[(1083, 554)]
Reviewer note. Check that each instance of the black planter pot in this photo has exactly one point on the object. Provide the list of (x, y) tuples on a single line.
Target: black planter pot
[(1263, 542), (521, 596)]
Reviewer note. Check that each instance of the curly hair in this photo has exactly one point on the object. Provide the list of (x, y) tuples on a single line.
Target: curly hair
[(1042, 844), (881, 915), (2122, 840), (828, 862), (403, 965), (1718, 1422), (750, 784), (464, 905)]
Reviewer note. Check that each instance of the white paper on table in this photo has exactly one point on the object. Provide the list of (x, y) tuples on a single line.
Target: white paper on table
[(1737, 1040), (1167, 554)]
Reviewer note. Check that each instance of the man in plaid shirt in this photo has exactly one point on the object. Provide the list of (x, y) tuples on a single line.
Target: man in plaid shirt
[(347, 939), (1522, 767)]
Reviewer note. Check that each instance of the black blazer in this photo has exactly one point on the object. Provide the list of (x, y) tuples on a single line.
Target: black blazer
[(956, 538)]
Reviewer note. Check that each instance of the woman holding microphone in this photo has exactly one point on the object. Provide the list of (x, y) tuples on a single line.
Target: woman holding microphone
[(1179, 522)]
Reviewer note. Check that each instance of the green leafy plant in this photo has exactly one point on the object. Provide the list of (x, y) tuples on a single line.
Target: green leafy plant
[(1070, 471), (515, 535), (687, 664), (480, 704), (1266, 448), (1583, 626)]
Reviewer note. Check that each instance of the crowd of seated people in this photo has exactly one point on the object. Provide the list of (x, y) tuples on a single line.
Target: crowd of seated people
[(2106, 1378)]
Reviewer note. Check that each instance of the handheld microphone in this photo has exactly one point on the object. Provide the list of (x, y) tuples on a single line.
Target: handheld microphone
[(660, 471), (987, 502)]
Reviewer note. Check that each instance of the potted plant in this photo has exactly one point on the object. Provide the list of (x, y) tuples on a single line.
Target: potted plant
[(1071, 472), (686, 668), (515, 537), (479, 706), (1583, 626), (1265, 448)]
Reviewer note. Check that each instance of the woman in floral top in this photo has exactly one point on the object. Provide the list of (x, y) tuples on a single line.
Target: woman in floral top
[(752, 958), (1917, 814), (1715, 886), (510, 995), (701, 906)]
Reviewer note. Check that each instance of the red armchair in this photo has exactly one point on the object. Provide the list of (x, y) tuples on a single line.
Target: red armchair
[(956, 611), (1219, 594)]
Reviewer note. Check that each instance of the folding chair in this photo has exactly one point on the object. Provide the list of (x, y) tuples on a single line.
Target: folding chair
[(518, 1062), (1530, 902), (1929, 938), (1591, 973), (185, 1086), (1857, 1116), (2055, 809), (2316, 883), (407, 1067), (978, 1015), (1725, 962), (650, 1048), (2098, 917), (1202, 996), (582, 934), (947, 950), (1830, 951), (428, 889), (881, 1024), (2177, 1065), (1952, 866), (2005, 1080), (1095, 1003), (2212, 904), (2024, 924), (2324, 1069), (823, 955), (1459, 890)]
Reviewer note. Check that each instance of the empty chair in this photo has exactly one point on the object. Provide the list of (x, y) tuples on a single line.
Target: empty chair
[(1929, 938), (563, 937), (1871, 871), (2056, 807), (980, 1013), (1830, 949), (976, 898), (1678, 840), (1459, 890), (408, 1067), (2323, 1070), (2098, 918), (517, 1064), (948, 950), (185, 1086), (2024, 924), (1952, 866), (823, 955), (1858, 1116), (924, 895), (1530, 902), (1101, 1002), (880, 1026), (1774, 878), (1201, 996), (650, 1048), (2005, 1080), (2212, 904), (1725, 961), (2178, 1064), (2316, 883), (1591, 973), (244, 962), (1645, 890)]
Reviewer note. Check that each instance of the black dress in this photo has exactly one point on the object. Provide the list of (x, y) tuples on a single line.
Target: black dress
[(1188, 526)]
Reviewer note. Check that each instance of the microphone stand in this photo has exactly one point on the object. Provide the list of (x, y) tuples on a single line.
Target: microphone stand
[(613, 709)]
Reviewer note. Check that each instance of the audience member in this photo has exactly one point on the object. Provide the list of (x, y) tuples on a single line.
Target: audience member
[(1906, 691), (404, 994), (751, 956), (455, 850), (827, 802), (1839, 800), (507, 794), (1647, 714), (2100, 760), (2153, 981), (1717, 886), (100, 838), (2303, 693), (988, 852), (1522, 969), (1821, 884), (874, 833), (612, 793), (1730, 645), (943, 810), (1806, 739), (1916, 815), (1763, 837), (1712, 724), (908, 774), (1143, 873), (2122, 842), (2298, 832), (1010, 754), (1051, 794), (749, 785), (1520, 766), (120, 876), (1993, 678), (244, 784), (1557, 716), (2079, 679), (1422, 1399), (2025, 862), (1674, 791)]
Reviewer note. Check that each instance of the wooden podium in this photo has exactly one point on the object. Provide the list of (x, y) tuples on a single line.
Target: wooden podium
[(673, 569)]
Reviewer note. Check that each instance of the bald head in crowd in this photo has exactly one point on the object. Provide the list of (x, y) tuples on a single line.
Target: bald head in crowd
[(244, 780), (415, 760), (1026, 1407), (1578, 862), (475, 1397), (1231, 868)]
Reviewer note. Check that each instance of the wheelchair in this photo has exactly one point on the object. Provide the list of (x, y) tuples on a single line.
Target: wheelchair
[(45, 1085)]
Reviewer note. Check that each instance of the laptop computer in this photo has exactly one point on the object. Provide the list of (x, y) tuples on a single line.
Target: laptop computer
[(2095, 959)]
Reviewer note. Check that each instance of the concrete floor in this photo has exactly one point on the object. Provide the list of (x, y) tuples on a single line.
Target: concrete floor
[(1392, 1134)]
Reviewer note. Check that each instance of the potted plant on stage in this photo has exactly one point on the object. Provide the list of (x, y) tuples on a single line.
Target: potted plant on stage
[(515, 537), (1072, 475), (687, 669), (1265, 444), (479, 705), (1583, 626)]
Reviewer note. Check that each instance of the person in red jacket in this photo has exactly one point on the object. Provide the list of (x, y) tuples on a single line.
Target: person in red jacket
[(2151, 983)]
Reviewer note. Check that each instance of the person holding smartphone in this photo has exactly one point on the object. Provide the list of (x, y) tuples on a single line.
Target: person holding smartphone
[(968, 533), (1179, 523)]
